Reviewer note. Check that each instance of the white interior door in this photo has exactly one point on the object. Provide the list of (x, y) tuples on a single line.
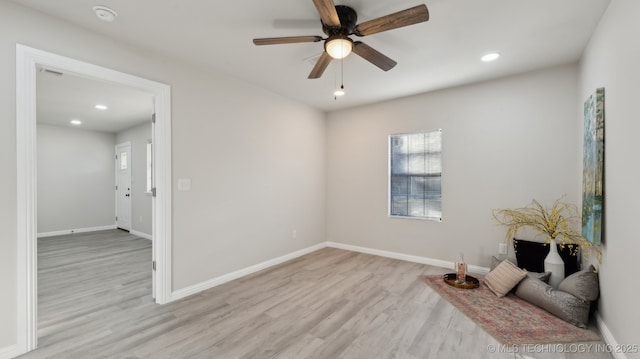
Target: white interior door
[(123, 186)]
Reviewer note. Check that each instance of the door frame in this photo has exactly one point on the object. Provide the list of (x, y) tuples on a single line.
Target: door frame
[(117, 180), (27, 59)]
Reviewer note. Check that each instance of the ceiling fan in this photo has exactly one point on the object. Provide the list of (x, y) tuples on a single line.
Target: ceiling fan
[(338, 22)]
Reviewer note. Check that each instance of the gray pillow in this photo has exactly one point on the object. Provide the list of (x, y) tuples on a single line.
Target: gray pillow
[(542, 276), (583, 284), (559, 303)]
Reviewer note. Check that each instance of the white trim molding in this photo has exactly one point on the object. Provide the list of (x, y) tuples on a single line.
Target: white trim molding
[(608, 337), (27, 60), (185, 292), (27, 295), (76, 230), (141, 234), (197, 288), (406, 257)]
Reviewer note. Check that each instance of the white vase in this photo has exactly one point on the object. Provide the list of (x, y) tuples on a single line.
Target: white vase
[(553, 263)]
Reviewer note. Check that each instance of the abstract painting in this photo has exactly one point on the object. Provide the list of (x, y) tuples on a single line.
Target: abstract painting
[(593, 167)]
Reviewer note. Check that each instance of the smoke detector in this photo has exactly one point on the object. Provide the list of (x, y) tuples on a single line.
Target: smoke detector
[(104, 13)]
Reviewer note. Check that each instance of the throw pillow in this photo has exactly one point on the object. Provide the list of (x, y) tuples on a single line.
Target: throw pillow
[(583, 284), (495, 261), (557, 302), (544, 276), (504, 277), (530, 256)]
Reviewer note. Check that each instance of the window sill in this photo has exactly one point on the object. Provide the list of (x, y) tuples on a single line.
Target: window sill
[(432, 219)]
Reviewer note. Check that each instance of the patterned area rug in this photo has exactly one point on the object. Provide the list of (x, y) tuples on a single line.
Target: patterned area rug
[(510, 320)]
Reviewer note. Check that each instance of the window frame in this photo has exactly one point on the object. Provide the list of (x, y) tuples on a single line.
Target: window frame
[(389, 176)]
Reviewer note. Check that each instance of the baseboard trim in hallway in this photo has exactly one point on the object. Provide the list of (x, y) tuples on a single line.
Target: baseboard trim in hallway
[(77, 230), (141, 234)]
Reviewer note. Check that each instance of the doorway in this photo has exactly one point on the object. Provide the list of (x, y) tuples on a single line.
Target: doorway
[(27, 61), (123, 186)]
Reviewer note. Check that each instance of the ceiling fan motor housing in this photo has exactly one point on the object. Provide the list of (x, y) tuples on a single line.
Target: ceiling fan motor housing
[(348, 20)]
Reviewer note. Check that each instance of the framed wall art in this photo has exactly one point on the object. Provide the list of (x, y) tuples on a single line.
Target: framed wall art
[(593, 167)]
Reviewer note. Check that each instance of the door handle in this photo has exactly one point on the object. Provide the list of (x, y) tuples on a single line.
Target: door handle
[(127, 195)]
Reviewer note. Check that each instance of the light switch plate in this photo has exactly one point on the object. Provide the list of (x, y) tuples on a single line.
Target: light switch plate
[(502, 248), (184, 184)]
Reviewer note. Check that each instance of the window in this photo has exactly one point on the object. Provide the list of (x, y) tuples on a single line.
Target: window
[(149, 166), (415, 175), (123, 160)]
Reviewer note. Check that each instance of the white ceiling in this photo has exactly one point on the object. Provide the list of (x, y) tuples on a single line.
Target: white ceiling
[(440, 53), (62, 98)]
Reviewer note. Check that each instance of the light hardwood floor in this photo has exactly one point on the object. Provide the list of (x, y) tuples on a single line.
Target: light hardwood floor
[(95, 302)]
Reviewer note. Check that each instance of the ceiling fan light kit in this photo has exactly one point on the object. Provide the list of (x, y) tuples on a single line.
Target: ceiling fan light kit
[(339, 22), (338, 46)]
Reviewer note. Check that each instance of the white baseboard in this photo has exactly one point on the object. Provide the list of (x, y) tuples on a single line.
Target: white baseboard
[(406, 257), (78, 230), (185, 292), (214, 282), (141, 234), (608, 337), (10, 352)]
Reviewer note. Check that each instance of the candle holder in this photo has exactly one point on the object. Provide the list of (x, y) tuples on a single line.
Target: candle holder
[(461, 270)]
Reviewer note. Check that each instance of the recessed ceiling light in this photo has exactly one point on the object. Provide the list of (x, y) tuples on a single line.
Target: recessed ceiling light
[(104, 13), (101, 107), (76, 122), (492, 56)]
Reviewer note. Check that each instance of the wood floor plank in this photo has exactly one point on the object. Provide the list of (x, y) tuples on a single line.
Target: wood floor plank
[(95, 302)]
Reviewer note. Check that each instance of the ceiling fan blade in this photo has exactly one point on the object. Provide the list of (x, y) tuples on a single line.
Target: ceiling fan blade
[(327, 11), (402, 18), (321, 65), (286, 40), (373, 56)]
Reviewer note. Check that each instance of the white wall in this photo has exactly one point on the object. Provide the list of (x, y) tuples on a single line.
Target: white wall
[(255, 158), (611, 61), (141, 209), (505, 142), (75, 178)]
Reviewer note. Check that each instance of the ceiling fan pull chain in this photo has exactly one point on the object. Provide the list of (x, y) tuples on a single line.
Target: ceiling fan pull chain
[(340, 91), (342, 75)]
